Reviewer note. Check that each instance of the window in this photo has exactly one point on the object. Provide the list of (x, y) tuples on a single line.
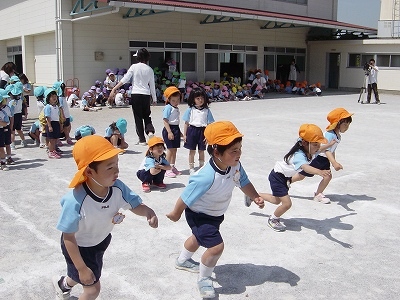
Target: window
[(358, 60), (383, 60), (395, 61), (269, 62), (211, 63), (189, 62)]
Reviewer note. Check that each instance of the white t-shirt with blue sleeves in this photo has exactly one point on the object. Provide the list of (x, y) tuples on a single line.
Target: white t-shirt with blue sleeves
[(15, 106), (198, 117), (172, 114), (4, 118), (52, 111), (298, 159), (330, 136), (89, 216), (150, 162), (210, 189)]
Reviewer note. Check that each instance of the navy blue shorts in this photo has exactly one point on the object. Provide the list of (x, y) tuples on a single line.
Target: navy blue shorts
[(7, 135), (279, 184), (17, 121), (67, 122), (2, 137), (195, 138), (92, 256), (176, 142), (320, 163), (205, 228), (56, 134)]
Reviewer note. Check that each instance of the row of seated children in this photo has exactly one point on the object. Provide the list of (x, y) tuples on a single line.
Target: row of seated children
[(302, 88)]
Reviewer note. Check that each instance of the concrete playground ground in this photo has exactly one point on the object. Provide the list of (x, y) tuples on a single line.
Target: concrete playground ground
[(348, 249)]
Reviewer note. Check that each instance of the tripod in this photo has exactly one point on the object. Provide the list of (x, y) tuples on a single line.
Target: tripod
[(363, 90)]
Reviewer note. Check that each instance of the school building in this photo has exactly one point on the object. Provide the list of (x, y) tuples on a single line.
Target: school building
[(77, 40)]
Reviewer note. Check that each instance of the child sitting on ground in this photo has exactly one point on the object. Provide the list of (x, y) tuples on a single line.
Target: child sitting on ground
[(115, 134), (83, 131), (153, 167), (34, 132)]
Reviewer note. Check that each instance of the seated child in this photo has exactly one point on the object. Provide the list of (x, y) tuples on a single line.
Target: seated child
[(120, 98), (115, 134), (86, 103), (34, 132), (83, 131), (153, 167)]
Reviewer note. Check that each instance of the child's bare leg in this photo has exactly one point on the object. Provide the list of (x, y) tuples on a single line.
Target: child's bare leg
[(270, 198), (90, 292), (201, 158), (114, 140), (21, 135), (191, 244), (171, 155), (297, 177), (191, 158), (52, 144), (284, 207), (323, 184), (211, 255)]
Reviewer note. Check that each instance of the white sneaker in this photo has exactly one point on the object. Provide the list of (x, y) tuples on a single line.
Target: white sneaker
[(191, 171), (321, 198), (206, 289), (60, 294), (12, 146)]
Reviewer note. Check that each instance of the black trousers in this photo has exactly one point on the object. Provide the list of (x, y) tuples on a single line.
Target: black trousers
[(372, 87), (141, 113)]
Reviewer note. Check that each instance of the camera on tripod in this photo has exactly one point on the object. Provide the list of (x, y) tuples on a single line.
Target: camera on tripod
[(367, 68)]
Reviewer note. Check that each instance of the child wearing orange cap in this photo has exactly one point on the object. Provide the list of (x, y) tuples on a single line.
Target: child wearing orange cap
[(206, 198), (296, 160), (89, 213), (339, 122), (171, 132), (154, 165)]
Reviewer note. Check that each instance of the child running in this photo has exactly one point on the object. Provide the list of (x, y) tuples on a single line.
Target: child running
[(171, 132), (206, 198), (196, 117), (89, 213), (153, 167), (296, 160), (339, 121)]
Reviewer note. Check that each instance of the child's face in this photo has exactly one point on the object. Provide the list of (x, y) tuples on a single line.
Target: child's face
[(199, 101), (157, 150), (107, 172), (313, 147), (343, 127), (230, 157), (175, 99), (53, 99)]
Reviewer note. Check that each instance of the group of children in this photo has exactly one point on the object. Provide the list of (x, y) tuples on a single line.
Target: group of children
[(204, 200)]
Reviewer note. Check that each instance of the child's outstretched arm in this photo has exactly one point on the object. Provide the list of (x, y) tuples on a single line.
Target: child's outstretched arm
[(324, 147), (86, 275), (311, 170), (145, 211), (332, 160), (176, 213), (250, 191)]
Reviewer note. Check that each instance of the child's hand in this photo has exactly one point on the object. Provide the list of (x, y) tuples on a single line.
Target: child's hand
[(51, 129), (337, 166), (325, 173), (86, 276), (153, 221), (259, 201), (170, 136), (173, 216)]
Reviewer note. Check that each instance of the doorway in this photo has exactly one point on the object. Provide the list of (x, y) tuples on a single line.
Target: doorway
[(333, 70)]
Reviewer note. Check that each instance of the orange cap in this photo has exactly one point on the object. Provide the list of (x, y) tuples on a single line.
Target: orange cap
[(312, 133), (335, 116), (87, 150), (154, 141), (169, 91), (221, 133)]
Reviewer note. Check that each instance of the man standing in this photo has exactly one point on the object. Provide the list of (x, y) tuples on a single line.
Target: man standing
[(372, 82)]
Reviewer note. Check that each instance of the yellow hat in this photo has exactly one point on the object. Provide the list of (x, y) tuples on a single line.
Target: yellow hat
[(335, 116), (87, 150), (221, 133), (154, 141), (312, 133), (169, 91)]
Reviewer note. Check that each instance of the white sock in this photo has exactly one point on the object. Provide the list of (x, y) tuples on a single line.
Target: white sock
[(205, 271), (274, 217), (185, 255)]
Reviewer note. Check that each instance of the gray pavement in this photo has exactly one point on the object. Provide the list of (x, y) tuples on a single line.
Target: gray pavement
[(344, 250)]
